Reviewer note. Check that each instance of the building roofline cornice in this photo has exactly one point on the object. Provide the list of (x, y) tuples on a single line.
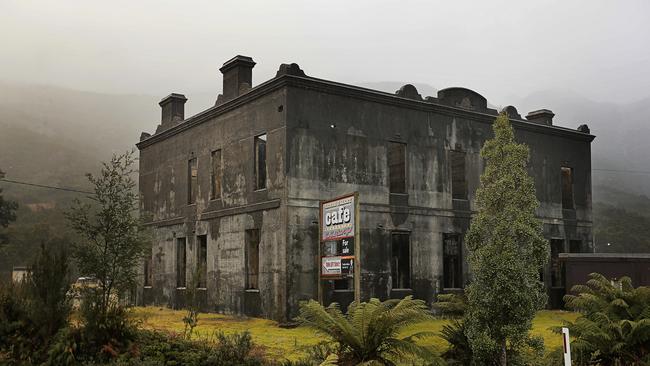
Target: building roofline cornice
[(357, 92)]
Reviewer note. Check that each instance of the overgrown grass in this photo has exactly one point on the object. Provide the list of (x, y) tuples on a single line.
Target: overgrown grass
[(281, 343)]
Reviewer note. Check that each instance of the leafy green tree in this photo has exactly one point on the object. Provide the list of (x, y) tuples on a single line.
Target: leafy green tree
[(7, 212), (370, 332), (113, 239), (506, 252), (614, 326)]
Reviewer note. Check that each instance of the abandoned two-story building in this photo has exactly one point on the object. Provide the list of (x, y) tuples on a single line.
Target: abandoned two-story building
[(233, 193)]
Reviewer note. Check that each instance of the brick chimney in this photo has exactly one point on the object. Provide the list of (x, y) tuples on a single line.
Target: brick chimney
[(173, 111), (237, 76), (542, 116)]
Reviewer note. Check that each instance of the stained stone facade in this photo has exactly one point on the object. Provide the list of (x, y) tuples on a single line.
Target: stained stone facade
[(232, 193)]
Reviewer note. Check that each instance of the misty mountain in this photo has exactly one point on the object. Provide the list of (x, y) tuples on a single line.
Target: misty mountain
[(31, 156), (621, 133), (425, 90), (54, 135)]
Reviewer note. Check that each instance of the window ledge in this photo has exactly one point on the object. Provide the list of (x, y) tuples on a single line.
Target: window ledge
[(253, 290), (402, 289), (147, 287), (202, 288), (181, 288), (259, 189), (344, 291)]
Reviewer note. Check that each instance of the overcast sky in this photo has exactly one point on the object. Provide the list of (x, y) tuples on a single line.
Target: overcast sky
[(502, 49)]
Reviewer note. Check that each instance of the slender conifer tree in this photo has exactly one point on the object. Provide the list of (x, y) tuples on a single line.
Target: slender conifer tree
[(506, 252)]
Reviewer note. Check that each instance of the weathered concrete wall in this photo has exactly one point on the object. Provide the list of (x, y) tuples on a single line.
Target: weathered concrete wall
[(337, 143), (325, 140), (163, 189)]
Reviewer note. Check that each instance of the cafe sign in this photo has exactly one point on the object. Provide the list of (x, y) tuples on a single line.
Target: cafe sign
[(338, 218)]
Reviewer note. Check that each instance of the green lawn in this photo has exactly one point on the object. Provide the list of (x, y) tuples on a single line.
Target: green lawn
[(281, 343)]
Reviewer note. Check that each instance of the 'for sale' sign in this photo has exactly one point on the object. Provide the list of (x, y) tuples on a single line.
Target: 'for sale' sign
[(331, 266)]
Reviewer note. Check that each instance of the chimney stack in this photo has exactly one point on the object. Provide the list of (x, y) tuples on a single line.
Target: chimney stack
[(542, 117), (173, 111), (237, 76)]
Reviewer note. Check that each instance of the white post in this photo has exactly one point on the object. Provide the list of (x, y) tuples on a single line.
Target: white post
[(567, 346)]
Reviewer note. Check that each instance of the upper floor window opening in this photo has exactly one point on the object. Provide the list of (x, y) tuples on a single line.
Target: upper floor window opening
[(260, 162)]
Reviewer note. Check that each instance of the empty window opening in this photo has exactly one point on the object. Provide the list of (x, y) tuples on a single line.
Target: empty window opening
[(148, 273), (458, 182), (557, 268), (344, 284), (575, 246), (202, 260), (401, 260), (567, 188), (215, 174), (260, 162), (192, 180), (252, 259), (452, 265), (397, 167), (181, 262)]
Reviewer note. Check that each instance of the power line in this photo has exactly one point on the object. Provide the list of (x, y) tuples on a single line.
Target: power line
[(86, 192), (45, 186), (623, 171)]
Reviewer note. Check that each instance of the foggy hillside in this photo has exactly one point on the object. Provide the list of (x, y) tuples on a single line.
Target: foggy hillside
[(621, 136), (53, 135), (425, 90)]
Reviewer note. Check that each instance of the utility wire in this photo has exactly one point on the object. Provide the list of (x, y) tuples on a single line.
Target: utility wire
[(45, 186), (622, 171), (86, 192)]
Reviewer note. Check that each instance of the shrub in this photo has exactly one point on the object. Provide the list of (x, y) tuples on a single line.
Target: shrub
[(33, 311), (64, 348), (191, 320), (15, 324), (370, 330), (99, 337), (47, 285), (451, 305), (154, 348), (106, 333)]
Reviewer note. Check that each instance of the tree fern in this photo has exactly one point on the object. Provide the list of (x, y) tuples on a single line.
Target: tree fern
[(371, 332), (614, 328)]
